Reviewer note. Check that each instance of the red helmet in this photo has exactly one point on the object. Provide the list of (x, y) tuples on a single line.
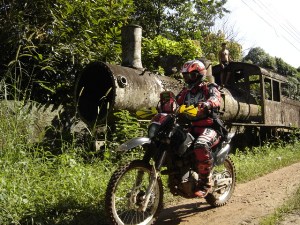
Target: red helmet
[(193, 71)]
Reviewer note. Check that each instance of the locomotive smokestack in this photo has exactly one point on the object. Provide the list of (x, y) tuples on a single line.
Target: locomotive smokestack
[(132, 46)]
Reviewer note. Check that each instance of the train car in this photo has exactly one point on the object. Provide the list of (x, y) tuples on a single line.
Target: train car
[(255, 102)]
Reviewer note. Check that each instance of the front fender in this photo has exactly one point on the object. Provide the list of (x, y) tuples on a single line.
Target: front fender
[(134, 142)]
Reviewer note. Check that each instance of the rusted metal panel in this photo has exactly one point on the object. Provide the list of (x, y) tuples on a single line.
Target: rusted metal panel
[(103, 88), (238, 108), (102, 85), (273, 75), (291, 112), (273, 113)]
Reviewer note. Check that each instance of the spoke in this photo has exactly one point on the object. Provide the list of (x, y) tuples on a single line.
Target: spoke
[(130, 195)]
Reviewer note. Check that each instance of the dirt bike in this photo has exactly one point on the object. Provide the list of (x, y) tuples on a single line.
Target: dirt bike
[(134, 193)]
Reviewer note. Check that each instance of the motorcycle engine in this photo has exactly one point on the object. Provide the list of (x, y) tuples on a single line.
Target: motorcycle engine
[(182, 180), (183, 184)]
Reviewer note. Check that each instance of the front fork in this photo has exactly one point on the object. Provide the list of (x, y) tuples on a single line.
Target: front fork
[(153, 179)]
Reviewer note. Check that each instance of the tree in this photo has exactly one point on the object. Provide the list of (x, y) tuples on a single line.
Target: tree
[(259, 57), (156, 51), (151, 14), (46, 43), (18, 20), (23, 27), (212, 43), (284, 68), (177, 19)]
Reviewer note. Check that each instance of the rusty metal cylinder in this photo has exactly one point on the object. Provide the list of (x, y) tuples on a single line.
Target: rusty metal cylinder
[(236, 107), (103, 88), (132, 46)]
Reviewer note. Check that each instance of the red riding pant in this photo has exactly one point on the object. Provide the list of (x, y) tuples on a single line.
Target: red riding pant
[(207, 138)]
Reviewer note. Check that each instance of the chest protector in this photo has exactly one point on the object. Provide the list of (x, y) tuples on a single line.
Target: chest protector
[(194, 96)]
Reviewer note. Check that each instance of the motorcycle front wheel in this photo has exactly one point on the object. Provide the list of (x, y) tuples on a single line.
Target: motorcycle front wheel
[(125, 195), (224, 178)]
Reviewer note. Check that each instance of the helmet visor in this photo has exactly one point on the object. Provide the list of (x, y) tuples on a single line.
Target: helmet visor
[(191, 77)]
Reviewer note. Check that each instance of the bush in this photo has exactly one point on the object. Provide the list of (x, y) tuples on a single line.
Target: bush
[(153, 50)]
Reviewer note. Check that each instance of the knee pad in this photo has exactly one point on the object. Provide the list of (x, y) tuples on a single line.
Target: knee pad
[(204, 161), (202, 154)]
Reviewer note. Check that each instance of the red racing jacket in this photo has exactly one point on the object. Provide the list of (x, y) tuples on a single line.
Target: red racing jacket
[(203, 94)]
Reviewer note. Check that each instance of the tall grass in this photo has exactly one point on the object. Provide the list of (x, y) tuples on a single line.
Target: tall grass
[(258, 161), (38, 187)]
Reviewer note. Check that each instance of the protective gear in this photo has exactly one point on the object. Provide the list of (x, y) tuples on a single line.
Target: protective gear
[(204, 97), (190, 111), (167, 102), (193, 71), (204, 160), (205, 106), (201, 100)]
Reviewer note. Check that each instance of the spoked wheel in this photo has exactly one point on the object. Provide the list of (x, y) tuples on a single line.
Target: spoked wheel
[(125, 195), (224, 178)]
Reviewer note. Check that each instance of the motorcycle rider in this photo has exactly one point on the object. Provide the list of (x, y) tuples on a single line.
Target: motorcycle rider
[(197, 100)]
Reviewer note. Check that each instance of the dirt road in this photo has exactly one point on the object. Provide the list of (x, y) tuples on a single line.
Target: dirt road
[(251, 201)]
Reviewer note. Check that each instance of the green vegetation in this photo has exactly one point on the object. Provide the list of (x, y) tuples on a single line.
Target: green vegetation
[(38, 187), (259, 161), (159, 47)]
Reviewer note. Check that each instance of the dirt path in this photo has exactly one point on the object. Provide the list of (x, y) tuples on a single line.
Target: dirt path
[(251, 201)]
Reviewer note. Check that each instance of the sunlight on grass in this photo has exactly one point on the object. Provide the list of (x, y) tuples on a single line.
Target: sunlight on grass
[(259, 161)]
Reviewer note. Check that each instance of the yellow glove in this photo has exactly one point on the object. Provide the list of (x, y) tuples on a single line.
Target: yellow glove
[(144, 113), (182, 108), (190, 110)]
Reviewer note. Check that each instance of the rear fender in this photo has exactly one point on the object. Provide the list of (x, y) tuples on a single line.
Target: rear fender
[(133, 143)]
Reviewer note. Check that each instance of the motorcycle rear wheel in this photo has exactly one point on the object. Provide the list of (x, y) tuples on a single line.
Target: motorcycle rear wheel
[(125, 194), (221, 196)]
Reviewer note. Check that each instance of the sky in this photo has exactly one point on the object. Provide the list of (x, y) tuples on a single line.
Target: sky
[(272, 25)]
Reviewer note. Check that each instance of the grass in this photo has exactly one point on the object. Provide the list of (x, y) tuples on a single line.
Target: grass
[(40, 187), (258, 161), (52, 189)]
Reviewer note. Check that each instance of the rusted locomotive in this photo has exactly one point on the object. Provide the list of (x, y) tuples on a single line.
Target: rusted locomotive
[(253, 104)]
